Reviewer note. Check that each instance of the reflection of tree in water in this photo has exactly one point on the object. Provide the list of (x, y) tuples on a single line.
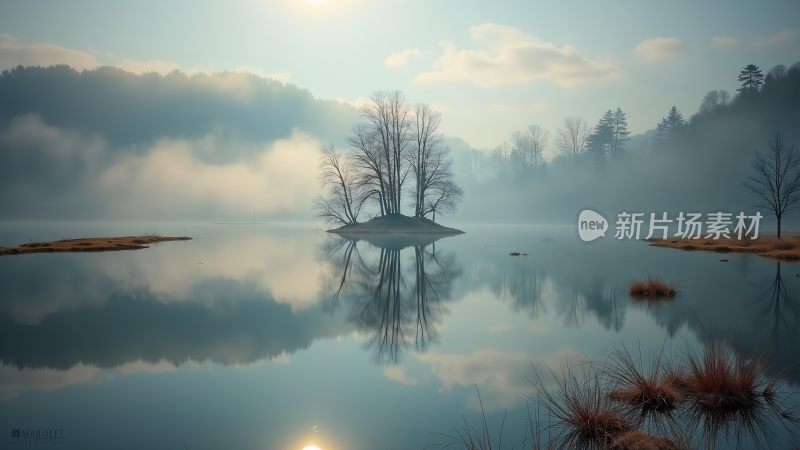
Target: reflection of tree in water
[(777, 312), (573, 299), (394, 303)]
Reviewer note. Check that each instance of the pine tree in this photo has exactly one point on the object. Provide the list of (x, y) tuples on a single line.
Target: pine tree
[(670, 126), (619, 132), (602, 137), (751, 78)]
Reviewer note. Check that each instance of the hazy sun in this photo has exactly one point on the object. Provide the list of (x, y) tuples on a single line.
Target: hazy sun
[(314, 2), (311, 447)]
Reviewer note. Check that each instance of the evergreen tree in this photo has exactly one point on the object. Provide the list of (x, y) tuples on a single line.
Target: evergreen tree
[(619, 132), (602, 137), (751, 78), (670, 126)]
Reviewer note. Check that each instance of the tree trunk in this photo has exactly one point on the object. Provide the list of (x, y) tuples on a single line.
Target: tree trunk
[(779, 226)]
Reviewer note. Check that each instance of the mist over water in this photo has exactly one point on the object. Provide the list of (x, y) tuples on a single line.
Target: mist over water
[(224, 337)]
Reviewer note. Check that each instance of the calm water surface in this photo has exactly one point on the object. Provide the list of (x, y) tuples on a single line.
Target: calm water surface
[(280, 336)]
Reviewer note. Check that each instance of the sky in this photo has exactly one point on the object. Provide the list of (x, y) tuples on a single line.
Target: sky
[(490, 67)]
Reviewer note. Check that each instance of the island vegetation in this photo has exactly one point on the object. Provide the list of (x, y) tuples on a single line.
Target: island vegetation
[(398, 151), (94, 244)]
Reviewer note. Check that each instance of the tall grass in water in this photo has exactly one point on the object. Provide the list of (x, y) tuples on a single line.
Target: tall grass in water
[(709, 398), (730, 398), (585, 417)]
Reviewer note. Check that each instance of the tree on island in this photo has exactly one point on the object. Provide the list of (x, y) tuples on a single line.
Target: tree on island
[(396, 144), (751, 78), (776, 182)]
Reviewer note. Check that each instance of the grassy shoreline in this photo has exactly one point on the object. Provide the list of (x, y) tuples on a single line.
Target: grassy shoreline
[(785, 249), (92, 244)]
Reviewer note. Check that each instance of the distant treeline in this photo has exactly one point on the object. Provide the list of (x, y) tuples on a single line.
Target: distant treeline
[(701, 162)]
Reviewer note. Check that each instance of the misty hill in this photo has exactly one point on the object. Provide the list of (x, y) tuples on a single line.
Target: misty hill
[(395, 224), (126, 108), (702, 165)]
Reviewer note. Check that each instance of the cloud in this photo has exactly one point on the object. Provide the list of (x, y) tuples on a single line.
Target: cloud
[(401, 58), (13, 54), (508, 56), (62, 171), (170, 178), (725, 41), (153, 65), (660, 49)]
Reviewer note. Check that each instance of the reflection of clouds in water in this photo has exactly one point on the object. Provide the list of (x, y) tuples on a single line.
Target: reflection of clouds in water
[(399, 375), (283, 265), (502, 376), (15, 381), (233, 323)]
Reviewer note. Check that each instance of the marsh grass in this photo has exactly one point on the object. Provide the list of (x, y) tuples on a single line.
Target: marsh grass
[(707, 398), (584, 416), (652, 288), (655, 390)]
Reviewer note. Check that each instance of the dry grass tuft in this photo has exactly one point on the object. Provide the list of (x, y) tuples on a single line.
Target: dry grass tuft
[(720, 381), (657, 391), (652, 289), (585, 416)]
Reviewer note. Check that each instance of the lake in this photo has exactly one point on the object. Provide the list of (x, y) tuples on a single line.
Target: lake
[(258, 336)]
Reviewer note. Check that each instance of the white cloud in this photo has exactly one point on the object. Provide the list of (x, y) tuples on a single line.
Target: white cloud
[(153, 65), (170, 179), (725, 41), (13, 54), (401, 58), (660, 49), (508, 56), (399, 375)]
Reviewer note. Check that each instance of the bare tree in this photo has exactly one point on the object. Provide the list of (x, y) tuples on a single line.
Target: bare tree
[(395, 142), (776, 182), (527, 148), (340, 202), (368, 161), (713, 100), (389, 117), (428, 154), (444, 196), (572, 138), (499, 160)]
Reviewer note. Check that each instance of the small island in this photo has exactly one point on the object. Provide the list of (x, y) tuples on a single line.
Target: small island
[(396, 224), (785, 248), (95, 244)]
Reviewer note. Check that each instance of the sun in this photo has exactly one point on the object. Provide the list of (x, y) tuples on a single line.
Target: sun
[(311, 447)]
